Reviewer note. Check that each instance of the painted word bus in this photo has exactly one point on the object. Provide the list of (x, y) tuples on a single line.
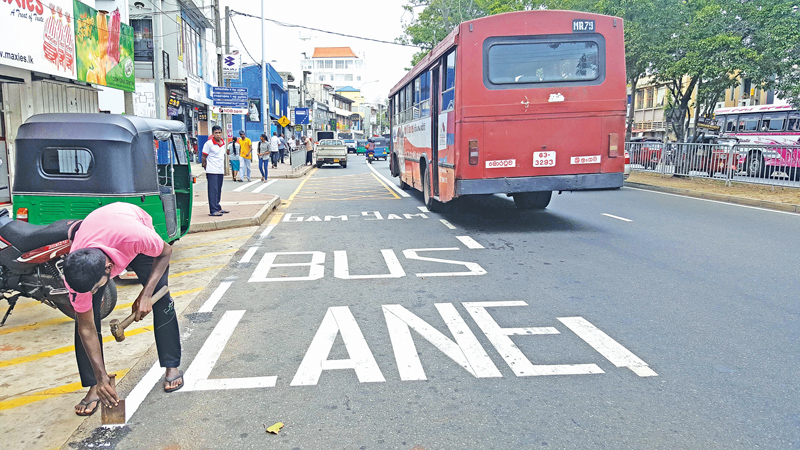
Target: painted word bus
[(523, 104), (768, 135)]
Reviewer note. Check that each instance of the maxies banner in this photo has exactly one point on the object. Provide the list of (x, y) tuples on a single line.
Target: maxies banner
[(103, 48)]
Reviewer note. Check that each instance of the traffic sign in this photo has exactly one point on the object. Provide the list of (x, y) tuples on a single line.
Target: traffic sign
[(283, 121), (301, 116), (233, 100)]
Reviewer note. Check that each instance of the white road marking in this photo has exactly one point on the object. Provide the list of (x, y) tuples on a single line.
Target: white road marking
[(606, 346), (516, 360), (474, 268), (715, 201), (466, 351), (469, 242), (245, 186), (248, 255), (140, 391), (423, 209), (208, 306), (196, 376), (391, 184), (341, 266), (267, 231), (263, 186), (448, 224), (316, 267), (617, 217), (338, 319)]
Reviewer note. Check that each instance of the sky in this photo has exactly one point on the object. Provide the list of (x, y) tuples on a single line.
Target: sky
[(376, 19)]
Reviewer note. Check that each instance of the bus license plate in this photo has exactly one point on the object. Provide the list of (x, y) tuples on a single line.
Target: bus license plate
[(544, 159)]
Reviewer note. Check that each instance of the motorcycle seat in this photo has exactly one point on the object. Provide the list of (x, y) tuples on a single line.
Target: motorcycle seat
[(26, 237)]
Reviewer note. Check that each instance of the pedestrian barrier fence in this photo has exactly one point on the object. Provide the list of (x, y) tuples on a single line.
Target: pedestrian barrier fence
[(776, 165), (297, 158)]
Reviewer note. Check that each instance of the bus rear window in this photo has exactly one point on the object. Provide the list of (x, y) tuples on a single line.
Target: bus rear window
[(516, 63)]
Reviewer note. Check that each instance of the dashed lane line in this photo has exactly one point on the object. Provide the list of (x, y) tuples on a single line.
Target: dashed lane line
[(617, 217), (49, 393), (448, 224), (469, 242)]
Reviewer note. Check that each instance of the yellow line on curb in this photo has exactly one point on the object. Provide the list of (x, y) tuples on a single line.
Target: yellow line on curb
[(205, 256), (213, 242), (49, 393), (387, 187), (189, 272), (60, 320), (67, 349)]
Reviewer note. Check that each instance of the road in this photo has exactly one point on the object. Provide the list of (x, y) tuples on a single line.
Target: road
[(617, 319)]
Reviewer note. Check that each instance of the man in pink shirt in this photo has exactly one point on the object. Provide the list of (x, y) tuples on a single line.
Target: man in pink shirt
[(105, 243)]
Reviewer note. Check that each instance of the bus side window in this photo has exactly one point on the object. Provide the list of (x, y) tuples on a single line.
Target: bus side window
[(448, 88), (794, 122), (730, 126)]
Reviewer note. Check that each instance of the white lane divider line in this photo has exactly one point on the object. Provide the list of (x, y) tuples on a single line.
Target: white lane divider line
[(713, 201), (391, 184), (249, 255), (216, 296), (469, 242), (245, 186), (617, 217), (267, 231), (423, 209), (606, 346), (263, 186), (140, 391), (448, 224)]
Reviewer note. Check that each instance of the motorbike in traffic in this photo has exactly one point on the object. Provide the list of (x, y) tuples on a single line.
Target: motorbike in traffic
[(31, 265)]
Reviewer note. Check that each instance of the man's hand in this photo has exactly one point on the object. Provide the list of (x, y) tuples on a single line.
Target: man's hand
[(142, 306), (107, 392)]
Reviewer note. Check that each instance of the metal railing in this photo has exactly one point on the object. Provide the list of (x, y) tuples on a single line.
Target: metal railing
[(775, 165), (297, 158)]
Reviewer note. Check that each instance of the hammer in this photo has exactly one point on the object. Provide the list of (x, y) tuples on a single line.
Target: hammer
[(118, 328)]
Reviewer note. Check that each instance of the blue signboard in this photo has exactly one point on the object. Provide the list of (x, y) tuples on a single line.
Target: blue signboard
[(301, 116), (229, 97)]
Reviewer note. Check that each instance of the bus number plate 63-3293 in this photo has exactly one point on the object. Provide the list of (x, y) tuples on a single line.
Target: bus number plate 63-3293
[(544, 159)]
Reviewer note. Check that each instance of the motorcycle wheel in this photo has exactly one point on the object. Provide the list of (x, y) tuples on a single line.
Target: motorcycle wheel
[(108, 305)]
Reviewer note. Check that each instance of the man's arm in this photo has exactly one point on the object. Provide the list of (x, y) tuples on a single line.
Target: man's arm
[(88, 333), (144, 303)]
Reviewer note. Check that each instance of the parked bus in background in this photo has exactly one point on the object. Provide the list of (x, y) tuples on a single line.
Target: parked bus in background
[(350, 137), (769, 137), (522, 103)]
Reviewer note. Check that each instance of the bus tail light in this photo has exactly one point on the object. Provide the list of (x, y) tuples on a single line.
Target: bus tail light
[(613, 145), (473, 152), (22, 214)]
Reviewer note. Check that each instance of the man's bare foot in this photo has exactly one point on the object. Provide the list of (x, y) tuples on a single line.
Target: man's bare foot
[(173, 379), (89, 404)]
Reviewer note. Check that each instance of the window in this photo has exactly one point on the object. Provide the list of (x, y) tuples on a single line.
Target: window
[(773, 121), (794, 122), (320, 64), (348, 77), (540, 61), (329, 64), (358, 78), (730, 124), (639, 99), (662, 92), (401, 106), (425, 94), (77, 162), (340, 64), (749, 122), (349, 64), (142, 40), (192, 53), (449, 91)]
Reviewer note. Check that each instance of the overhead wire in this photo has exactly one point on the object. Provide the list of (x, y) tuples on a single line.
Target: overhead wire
[(242, 40)]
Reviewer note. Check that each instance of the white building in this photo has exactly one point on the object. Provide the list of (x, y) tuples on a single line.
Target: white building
[(335, 66)]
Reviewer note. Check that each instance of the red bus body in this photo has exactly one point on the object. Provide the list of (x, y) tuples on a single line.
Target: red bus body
[(539, 131)]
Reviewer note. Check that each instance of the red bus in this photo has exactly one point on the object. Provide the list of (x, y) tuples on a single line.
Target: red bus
[(523, 104)]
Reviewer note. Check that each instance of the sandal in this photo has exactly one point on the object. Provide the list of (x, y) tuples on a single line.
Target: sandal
[(170, 380), (85, 404), (216, 214)]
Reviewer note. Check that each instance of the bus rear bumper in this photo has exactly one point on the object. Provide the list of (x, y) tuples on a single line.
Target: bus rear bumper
[(580, 182)]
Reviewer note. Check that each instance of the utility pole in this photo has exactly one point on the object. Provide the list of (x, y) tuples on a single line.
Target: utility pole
[(264, 74), (158, 61), (218, 38)]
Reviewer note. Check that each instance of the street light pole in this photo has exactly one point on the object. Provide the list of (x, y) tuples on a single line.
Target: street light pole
[(264, 74)]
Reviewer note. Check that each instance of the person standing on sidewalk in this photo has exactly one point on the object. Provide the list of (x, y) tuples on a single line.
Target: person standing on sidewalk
[(309, 150), (281, 147), (233, 157), (214, 163), (245, 154), (274, 148), (263, 157)]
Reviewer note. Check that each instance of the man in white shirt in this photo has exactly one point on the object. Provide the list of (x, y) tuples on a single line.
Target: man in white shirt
[(274, 149), (214, 163)]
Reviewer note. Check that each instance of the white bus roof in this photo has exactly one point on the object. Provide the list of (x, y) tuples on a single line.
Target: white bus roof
[(751, 109)]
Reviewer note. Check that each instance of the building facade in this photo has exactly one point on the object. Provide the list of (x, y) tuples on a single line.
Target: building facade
[(335, 66)]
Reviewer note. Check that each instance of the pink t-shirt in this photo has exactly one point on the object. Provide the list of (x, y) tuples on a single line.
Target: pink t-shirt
[(122, 231)]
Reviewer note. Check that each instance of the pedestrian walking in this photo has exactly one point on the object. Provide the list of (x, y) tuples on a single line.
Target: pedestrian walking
[(309, 150), (263, 157), (233, 157), (214, 163), (245, 154), (282, 147), (274, 148), (100, 252)]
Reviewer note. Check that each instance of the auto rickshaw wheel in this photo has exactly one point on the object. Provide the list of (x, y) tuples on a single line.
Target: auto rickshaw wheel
[(108, 304)]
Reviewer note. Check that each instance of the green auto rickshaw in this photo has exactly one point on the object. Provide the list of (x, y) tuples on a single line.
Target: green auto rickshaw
[(68, 165)]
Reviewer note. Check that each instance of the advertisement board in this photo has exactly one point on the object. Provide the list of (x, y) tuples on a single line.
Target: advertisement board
[(38, 37), (144, 100), (231, 65), (230, 100), (103, 48)]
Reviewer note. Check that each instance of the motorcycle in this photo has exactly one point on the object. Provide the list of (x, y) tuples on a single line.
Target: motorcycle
[(31, 265), (370, 156)]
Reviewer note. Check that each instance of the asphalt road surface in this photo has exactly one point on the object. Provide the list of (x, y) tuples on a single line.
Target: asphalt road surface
[(615, 319)]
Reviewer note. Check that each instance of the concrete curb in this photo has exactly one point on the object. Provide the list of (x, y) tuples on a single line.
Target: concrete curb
[(256, 220), (786, 207)]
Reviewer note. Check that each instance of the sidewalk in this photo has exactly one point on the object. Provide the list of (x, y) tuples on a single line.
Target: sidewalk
[(246, 208)]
